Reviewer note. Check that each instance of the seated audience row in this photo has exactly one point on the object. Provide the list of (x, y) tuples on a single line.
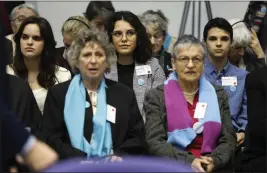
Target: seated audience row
[(119, 94)]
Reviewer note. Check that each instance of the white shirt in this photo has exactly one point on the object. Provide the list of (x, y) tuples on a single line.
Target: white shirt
[(93, 98), (40, 94)]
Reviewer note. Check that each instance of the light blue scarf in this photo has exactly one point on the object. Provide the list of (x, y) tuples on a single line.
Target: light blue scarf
[(74, 115)]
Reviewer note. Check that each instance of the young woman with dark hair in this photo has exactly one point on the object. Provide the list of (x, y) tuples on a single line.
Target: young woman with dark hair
[(35, 58), (135, 66)]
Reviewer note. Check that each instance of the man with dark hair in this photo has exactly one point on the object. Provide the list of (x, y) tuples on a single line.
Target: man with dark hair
[(218, 36)]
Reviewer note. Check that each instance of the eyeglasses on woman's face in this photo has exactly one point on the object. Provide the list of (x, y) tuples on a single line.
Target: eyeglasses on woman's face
[(129, 34), (185, 60)]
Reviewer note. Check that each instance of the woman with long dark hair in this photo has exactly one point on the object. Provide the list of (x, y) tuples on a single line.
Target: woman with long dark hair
[(34, 58), (135, 66)]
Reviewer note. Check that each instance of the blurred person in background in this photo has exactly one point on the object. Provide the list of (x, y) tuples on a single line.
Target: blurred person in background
[(245, 51), (156, 25), (17, 16), (253, 157), (70, 29), (99, 12)]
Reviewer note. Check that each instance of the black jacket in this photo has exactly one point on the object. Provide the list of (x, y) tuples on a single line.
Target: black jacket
[(253, 158), (127, 132), (251, 60), (22, 102), (165, 61)]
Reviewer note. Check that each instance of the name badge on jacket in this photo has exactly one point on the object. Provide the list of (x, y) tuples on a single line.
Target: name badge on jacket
[(143, 70), (229, 81), (200, 110), (111, 114)]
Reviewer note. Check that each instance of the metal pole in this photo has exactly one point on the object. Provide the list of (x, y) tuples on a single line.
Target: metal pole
[(208, 7), (184, 18), (193, 19), (199, 19)]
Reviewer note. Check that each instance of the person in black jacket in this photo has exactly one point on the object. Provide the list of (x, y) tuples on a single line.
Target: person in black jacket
[(91, 116), (253, 158)]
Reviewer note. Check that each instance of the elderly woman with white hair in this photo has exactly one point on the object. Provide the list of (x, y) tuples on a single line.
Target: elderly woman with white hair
[(187, 118), (156, 25), (246, 51), (91, 116)]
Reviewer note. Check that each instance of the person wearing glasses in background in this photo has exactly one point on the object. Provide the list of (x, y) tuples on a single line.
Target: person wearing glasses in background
[(188, 118), (218, 37), (135, 66), (156, 28), (245, 51), (17, 16)]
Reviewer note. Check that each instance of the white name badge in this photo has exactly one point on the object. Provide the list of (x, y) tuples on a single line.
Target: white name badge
[(200, 110), (229, 81), (111, 114), (143, 70)]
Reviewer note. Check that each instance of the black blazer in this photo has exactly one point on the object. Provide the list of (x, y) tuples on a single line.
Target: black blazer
[(253, 157), (127, 133), (166, 61), (22, 102)]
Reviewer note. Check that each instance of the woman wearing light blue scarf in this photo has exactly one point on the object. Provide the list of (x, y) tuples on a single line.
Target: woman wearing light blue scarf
[(85, 116)]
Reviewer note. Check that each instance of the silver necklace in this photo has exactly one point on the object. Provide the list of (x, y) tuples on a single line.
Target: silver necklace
[(190, 94)]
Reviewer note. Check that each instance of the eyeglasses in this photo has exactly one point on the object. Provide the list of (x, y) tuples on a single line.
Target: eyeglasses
[(119, 34), (20, 19), (247, 24), (185, 60), (157, 36)]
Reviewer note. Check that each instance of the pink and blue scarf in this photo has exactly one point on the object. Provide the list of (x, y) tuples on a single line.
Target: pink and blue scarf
[(180, 124)]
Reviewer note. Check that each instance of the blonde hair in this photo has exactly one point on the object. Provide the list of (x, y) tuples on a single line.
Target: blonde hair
[(74, 24)]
